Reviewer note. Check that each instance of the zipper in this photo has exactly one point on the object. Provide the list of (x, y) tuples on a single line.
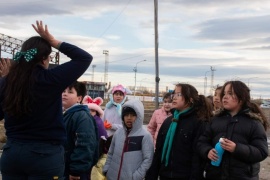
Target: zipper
[(125, 148)]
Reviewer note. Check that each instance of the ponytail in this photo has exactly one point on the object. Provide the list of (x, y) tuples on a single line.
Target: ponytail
[(203, 108)]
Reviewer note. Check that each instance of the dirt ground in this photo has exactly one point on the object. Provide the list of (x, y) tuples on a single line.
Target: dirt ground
[(265, 165), (265, 169)]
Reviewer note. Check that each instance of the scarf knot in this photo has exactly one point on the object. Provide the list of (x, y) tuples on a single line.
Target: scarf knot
[(118, 105)]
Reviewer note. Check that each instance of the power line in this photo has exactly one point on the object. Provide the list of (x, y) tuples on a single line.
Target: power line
[(110, 24), (131, 57), (99, 57), (26, 1)]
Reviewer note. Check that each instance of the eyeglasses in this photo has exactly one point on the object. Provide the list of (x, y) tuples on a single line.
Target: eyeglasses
[(176, 95)]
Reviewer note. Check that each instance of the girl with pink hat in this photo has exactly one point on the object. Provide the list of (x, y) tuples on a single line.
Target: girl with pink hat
[(112, 113)]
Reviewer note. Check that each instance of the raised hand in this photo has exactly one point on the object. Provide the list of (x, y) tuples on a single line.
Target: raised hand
[(44, 33)]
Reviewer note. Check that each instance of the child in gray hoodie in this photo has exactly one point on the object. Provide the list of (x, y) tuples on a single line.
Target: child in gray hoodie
[(132, 148)]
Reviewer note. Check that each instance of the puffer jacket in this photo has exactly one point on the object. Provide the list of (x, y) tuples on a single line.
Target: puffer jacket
[(130, 154), (184, 161), (247, 132), (81, 148), (112, 116)]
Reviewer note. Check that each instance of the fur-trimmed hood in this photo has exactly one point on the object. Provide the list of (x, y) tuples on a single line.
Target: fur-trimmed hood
[(247, 111)]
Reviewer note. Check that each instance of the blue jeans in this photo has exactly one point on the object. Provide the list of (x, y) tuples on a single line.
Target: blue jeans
[(32, 161)]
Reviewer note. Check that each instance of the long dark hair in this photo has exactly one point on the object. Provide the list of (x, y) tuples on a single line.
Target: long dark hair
[(17, 97), (243, 94), (198, 102)]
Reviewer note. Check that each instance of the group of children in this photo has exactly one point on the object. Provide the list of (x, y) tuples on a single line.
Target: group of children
[(86, 134), (181, 136), (179, 144)]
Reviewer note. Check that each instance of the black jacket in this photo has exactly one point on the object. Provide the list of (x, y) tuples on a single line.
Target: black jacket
[(184, 161), (244, 129)]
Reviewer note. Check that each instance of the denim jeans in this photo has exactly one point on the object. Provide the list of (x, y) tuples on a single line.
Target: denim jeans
[(32, 161)]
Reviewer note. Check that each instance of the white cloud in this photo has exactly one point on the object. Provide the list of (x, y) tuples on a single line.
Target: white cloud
[(232, 36)]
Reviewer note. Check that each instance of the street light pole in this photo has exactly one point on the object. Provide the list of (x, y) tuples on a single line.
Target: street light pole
[(205, 82), (135, 70)]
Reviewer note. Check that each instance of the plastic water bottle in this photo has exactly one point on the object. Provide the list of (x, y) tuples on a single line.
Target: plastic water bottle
[(220, 152)]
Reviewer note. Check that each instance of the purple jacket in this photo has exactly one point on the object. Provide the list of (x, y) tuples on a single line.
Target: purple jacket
[(101, 129)]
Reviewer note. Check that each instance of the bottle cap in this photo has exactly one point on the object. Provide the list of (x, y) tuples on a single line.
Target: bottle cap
[(221, 139)]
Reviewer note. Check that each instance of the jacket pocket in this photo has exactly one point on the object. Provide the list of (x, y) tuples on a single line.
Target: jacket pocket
[(212, 172), (254, 169)]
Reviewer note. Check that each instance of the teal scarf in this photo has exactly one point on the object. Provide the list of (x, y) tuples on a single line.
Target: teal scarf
[(118, 105), (170, 134)]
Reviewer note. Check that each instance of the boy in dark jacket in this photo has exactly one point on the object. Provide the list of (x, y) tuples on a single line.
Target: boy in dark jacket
[(82, 135)]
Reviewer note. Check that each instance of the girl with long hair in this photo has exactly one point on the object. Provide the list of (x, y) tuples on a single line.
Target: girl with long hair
[(30, 102), (242, 126), (176, 155)]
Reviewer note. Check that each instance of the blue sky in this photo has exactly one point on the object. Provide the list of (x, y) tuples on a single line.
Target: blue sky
[(231, 36)]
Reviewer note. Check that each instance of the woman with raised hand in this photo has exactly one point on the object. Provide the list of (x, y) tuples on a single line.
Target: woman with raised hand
[(30, 101)]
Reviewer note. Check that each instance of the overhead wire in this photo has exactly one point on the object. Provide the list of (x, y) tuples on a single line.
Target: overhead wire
[(110, 24)]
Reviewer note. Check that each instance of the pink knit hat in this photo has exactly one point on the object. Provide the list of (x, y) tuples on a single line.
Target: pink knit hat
[(94, 104), (119, 87)]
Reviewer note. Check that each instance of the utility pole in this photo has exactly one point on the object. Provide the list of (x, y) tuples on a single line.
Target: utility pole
[(205, 82), (106, 52), (93, 72), (156, 54), (135, 70), (212, 79)]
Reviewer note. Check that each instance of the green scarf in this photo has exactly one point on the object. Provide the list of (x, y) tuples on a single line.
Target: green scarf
[(170, 134)]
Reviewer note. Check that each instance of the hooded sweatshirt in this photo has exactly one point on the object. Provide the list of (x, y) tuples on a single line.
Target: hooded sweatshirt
[(131, 151)]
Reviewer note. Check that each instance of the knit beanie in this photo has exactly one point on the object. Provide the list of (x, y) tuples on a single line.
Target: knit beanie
[(127, 110)]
